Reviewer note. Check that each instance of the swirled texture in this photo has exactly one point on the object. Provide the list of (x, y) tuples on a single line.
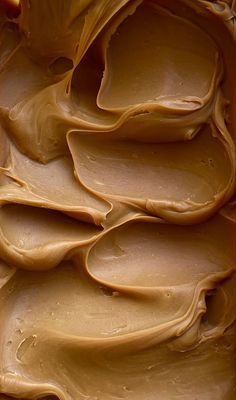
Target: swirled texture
[(117, 199)]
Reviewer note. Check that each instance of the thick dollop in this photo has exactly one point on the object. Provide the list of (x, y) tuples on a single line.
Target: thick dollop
[(117, 199)]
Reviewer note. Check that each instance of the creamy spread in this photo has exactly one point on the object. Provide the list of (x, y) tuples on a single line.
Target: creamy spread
[(117, 195)]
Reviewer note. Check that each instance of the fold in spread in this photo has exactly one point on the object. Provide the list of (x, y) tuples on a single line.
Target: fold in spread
[(117, 195)]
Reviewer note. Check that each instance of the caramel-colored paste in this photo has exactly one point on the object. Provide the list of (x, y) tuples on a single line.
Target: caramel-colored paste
[(118, 212)]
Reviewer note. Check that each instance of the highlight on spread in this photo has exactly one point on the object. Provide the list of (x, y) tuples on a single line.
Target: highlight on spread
[(117, 199)]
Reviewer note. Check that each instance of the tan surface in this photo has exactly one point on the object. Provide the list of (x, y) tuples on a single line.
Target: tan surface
[(117, 224)]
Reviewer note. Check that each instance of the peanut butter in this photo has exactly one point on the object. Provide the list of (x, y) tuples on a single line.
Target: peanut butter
[(117, 200)]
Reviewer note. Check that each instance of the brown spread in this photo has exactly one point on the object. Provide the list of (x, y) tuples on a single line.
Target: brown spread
[(117, 199)]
